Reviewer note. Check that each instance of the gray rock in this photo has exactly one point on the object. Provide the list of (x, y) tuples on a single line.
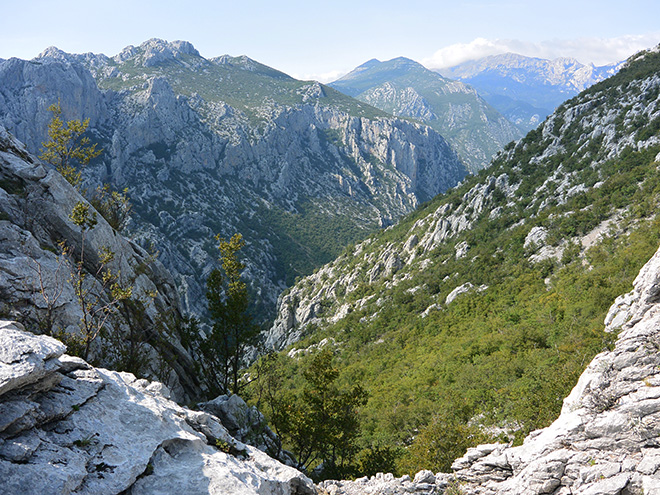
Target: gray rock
[(25, 358), (36, 203), (94, 431), (197, 166)]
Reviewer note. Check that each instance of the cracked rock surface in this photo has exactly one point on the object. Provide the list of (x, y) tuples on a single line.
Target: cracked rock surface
[(66, 427)]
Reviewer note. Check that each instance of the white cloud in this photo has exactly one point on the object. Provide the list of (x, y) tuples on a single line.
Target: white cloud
[(599, 51)]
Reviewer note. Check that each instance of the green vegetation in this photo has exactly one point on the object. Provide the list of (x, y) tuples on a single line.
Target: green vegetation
[(99, 297), (497, 362), (114, 206), (319, 422), (67, 146), (221, 353), (309, 237), (245, 85)]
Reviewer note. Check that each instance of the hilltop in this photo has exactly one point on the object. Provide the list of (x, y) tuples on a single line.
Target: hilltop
[(405, 88)]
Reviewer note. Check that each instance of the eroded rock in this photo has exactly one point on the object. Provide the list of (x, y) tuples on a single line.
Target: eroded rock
[(80, 429)]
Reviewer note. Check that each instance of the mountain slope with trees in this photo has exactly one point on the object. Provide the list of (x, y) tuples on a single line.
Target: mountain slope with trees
[(226, 145), (473, 317), (405, 88)]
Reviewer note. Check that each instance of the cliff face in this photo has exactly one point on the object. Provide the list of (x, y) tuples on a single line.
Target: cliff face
[(67, 427), (229, 145), (36, 282)]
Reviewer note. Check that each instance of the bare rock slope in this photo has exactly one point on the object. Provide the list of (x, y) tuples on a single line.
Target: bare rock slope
[(66, 427), (36, 286)]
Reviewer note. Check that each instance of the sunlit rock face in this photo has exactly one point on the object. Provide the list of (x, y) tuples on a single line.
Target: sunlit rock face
[(66, 427), (226, 145)]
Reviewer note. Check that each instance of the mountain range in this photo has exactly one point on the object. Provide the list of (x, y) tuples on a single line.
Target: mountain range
[(466, 321), (524, 89), (405, 88), (229, 145)]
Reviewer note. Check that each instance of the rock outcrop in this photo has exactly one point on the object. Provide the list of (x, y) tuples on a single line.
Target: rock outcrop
[(66, 427), (36, 284)]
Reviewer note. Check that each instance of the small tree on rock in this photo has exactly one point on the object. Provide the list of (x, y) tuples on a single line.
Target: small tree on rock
[(67, 146), (98, 298)]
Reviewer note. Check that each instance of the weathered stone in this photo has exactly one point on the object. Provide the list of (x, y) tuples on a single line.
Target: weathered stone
[(25, 358), (35, 277), (101, 432)]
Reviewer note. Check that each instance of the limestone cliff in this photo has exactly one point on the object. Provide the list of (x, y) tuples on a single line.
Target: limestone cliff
[(36, 284), (218, 146)]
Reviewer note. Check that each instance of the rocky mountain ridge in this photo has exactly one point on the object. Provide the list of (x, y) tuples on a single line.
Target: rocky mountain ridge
[(476, 315), (405, 88), (525, 89), (228, 145), (590, 127)]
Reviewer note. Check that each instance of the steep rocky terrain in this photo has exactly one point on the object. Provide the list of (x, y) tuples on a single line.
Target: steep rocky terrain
[(227, 145), (66, 427), (37, 282), (405, 88), (526, 90), (536, 173), (485, 304)]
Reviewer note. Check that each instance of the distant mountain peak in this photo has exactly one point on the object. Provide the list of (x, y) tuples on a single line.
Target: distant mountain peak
[(52, 52), (527, 89), (404, 87), (244, 62), (155, 51)]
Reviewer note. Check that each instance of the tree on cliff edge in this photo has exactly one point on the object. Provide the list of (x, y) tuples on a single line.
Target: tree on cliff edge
[(67, 146)]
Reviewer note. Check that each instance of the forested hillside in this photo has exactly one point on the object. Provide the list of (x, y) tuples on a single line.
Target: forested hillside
[(473, 317)]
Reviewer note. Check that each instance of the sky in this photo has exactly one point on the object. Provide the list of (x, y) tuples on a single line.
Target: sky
[(324, 40)]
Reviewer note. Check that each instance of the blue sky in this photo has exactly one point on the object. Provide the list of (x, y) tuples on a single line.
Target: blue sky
[(323, 40)]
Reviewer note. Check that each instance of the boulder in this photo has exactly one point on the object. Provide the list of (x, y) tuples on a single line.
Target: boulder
[(67, 427)]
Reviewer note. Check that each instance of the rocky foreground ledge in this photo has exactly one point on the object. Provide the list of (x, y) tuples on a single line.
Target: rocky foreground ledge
[(66, 427), (605, 442)]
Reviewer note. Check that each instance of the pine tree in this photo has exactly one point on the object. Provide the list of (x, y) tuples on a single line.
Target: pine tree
[(233, 329), (66, 146)]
